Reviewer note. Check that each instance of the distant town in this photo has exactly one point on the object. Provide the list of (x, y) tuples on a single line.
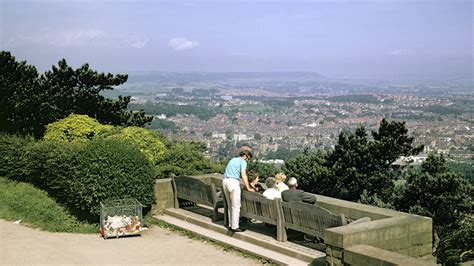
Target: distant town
[(278, 113)]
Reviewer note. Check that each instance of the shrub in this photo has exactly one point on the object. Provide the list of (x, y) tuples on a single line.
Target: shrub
[(82, 175), (13, 157), (146, 140), (186, 158), (74, 128)]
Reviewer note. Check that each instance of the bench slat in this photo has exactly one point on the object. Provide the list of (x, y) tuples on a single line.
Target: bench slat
[(195, 190), (310, 219)]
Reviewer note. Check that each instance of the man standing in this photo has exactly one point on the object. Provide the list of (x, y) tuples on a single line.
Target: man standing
[(236, 169), (293, 194)]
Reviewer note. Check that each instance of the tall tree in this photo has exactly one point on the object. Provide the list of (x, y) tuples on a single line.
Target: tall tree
[(437, 192), (390, 142), (308, 167), (20, 95), (359, 164), (78, 91), (32, 101)]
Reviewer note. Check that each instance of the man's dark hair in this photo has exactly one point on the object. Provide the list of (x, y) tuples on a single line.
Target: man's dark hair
[(246, 152)]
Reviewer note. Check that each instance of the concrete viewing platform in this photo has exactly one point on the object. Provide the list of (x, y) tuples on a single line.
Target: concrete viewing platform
[(388, 238), (258, 239)]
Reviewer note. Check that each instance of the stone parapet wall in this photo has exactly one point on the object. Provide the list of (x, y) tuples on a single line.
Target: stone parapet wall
[(368, 255), (399, 235), (164, 195), (392, 231)]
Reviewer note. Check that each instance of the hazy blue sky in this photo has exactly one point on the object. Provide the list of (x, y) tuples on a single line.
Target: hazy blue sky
[(355, 39)]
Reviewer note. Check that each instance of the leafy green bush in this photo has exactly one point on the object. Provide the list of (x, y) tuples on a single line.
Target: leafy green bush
[(82, 175), (74, 128), (186, 158), (22, 201), (13, 157), (146, 140)]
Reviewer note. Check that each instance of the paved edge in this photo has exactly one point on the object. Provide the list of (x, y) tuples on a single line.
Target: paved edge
[(245, 242)]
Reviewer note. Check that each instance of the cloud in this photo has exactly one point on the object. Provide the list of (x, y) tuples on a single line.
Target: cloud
[(77, 38), (399, 52), (136, 42), (182, 43)]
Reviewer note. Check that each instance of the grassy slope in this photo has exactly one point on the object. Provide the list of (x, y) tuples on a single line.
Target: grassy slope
[(34, 207)]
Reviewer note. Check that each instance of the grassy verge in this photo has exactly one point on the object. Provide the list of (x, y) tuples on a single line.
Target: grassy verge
[(22, 201), (227, 248)]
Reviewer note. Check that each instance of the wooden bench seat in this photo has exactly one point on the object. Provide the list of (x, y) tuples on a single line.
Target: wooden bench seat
[(298, 216), (197, 191), (256, 206), (310, 219)]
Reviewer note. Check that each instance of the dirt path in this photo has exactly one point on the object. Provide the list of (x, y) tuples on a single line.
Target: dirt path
[(23, 245)]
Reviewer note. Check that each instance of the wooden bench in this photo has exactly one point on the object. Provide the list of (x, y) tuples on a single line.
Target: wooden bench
[(256, 206), (310, 219), (197, 191), (298, 216)]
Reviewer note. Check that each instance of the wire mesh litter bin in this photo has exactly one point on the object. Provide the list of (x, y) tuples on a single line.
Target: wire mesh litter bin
[(120, 218)]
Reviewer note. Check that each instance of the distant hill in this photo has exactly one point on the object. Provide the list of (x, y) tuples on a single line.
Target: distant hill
[(193, 77)]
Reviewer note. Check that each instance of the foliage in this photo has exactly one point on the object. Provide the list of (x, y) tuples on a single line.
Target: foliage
[(257, 136), (354, 98), (436, 192), (163, 124), (74, 128), (22, 201), (146, 140), (358, 164), (464, 169), (13, 157), (81, 175), (264, 169), (33, 101), (350, 166), (456, 245), (374, 200), (390, 142), (186, 158), (310, 171), (443, 110), (20, 96), (282, 153), (170, 109)]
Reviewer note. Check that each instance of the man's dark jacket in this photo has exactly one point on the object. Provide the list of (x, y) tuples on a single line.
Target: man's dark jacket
[(293, 194)]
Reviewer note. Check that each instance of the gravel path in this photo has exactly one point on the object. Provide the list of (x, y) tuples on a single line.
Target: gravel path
[(23, 245)]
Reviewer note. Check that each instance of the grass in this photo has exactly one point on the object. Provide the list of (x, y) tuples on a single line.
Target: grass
[(22, 201)]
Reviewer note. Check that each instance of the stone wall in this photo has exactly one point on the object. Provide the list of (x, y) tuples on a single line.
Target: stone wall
[(393, 231), (368, 255), (164, 195), (390, 238)]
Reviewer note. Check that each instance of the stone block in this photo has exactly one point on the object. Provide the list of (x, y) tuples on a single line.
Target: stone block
[(337, 252), (368, 255), (328, 250)]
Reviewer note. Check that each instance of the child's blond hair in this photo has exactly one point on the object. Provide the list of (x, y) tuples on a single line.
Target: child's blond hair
[(280, 177)]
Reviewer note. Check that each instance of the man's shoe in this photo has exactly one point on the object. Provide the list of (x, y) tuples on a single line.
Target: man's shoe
[(238, 230)]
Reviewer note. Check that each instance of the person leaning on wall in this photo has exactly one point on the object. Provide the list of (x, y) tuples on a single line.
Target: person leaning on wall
[(235, 170)]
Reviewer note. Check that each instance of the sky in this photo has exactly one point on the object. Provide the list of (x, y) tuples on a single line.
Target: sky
[(381, 39)]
